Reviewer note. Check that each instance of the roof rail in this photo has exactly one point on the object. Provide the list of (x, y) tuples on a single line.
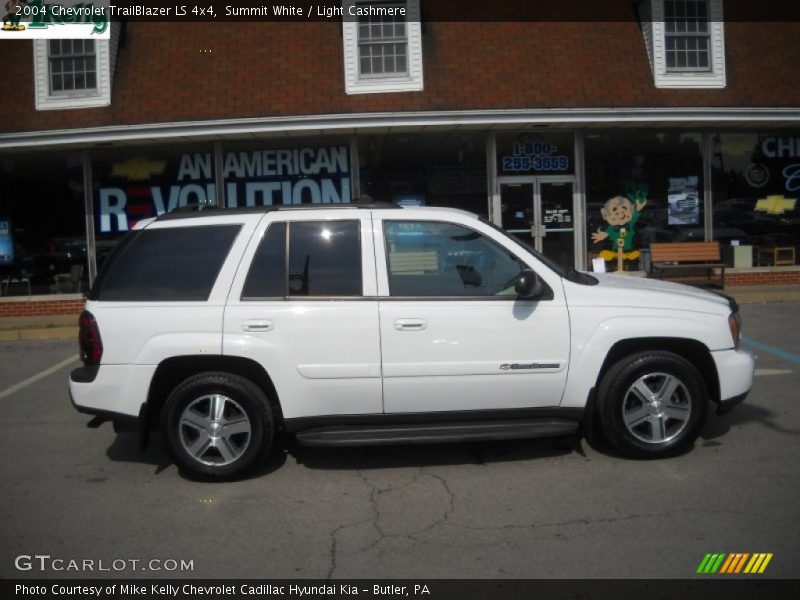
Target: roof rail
[(203, 210)]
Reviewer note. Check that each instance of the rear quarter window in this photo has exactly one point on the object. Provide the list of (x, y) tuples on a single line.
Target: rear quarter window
[(173, 264)]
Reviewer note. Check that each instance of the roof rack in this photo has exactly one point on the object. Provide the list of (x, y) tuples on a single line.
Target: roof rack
[(203, 209)]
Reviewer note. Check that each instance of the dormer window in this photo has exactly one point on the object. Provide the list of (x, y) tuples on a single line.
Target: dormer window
[(382, 47), (685, 42)]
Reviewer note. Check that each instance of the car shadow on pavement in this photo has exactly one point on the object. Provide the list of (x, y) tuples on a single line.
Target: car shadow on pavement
[(125, 448), (719, 425), (430, 455)]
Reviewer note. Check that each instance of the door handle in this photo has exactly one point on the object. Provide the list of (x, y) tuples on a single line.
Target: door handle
[(410, 324), (538, 230), (260, 325)]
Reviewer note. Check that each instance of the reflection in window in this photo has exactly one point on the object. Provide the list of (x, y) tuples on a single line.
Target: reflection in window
[(325, 259), (267, 276), (170, 264), (426, 169), (661, 172), (757, 193), (443, 259)]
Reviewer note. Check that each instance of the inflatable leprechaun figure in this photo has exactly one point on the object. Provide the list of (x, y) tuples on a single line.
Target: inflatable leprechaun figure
[(622, 214)]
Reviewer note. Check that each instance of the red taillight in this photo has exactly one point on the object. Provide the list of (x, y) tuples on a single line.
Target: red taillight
[(89, 339)]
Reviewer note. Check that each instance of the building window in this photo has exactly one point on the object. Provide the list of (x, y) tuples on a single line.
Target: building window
[(425, 169), (73, 66), (75, 73), (687, 35), (756, 178), (642, 187), (685, 42), (382, 47)]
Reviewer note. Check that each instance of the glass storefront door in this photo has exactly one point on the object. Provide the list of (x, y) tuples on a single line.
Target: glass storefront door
[(540, 211)]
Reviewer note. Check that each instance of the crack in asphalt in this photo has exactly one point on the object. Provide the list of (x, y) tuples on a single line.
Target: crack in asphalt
[(374, 493), (381, 536)]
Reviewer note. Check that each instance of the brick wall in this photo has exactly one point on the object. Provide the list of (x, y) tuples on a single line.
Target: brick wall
[(37, 308), (272, 69), (765, 277)]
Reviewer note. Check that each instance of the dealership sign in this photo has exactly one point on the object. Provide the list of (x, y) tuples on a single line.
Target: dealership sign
[(534, 154), (780, 155), (140, 188)]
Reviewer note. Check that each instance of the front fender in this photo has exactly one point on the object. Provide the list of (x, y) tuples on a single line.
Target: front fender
[(594, 335)]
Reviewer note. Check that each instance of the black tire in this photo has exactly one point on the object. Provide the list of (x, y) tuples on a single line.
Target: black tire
[(618, 402), (219, 457)]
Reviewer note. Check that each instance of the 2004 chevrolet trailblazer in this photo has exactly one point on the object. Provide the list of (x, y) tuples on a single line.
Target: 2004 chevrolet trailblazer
[(372, 324)]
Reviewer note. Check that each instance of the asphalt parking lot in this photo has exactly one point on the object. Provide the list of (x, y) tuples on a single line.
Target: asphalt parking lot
[(528, 509)]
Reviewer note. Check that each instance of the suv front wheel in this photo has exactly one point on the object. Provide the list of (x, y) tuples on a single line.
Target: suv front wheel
[(217, 425), (652, 404)]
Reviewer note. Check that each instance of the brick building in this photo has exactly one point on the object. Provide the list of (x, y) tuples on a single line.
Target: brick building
[(691, 105)]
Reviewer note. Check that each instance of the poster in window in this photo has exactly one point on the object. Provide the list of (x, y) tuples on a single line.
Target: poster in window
[(684, 201), (6, 243)]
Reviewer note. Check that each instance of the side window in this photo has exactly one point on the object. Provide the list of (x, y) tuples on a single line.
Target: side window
[(180, 263), (324, 258), (443, 259), (267, 275)]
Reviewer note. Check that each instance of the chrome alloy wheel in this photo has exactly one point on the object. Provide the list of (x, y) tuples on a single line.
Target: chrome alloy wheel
[(656, 408), (214, 430)]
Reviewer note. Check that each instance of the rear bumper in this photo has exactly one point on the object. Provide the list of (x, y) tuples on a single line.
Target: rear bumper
[(111, 390), (122, 422), (87, 398), (735, 369)]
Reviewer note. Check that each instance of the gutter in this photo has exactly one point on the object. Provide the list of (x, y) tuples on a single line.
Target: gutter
[(348, 124)]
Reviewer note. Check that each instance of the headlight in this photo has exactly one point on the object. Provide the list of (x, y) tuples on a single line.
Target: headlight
[(735, 324)]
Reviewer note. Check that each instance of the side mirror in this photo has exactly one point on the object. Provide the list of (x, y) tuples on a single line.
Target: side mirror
[(529, 285)]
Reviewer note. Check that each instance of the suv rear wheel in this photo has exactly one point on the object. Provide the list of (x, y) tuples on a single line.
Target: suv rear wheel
[(652, 404), (217, 425)]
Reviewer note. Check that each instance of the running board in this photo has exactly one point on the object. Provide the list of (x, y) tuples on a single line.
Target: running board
[(434, 433)]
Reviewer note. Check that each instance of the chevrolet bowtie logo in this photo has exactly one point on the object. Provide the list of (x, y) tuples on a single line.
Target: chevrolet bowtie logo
[(775, 205), (138, 169)]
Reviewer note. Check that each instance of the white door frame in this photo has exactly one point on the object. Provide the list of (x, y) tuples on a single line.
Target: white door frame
[(537, 230)]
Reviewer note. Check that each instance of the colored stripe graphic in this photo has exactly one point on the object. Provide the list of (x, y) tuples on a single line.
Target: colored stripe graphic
[(735, 562), (765, 563), (730, 563), (703, 563), (717, 564), (741, 562), (732, 558)]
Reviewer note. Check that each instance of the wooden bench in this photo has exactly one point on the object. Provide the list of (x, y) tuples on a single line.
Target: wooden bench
[(680, 259)]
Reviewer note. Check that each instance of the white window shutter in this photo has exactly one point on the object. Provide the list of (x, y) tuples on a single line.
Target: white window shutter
[(646, 23)]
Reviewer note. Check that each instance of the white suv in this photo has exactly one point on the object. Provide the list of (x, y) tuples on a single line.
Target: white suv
[(373, 324)]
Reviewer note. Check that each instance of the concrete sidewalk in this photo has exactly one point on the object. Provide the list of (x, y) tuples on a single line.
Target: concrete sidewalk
[(62, 327), (56, 327), (764, 293)]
